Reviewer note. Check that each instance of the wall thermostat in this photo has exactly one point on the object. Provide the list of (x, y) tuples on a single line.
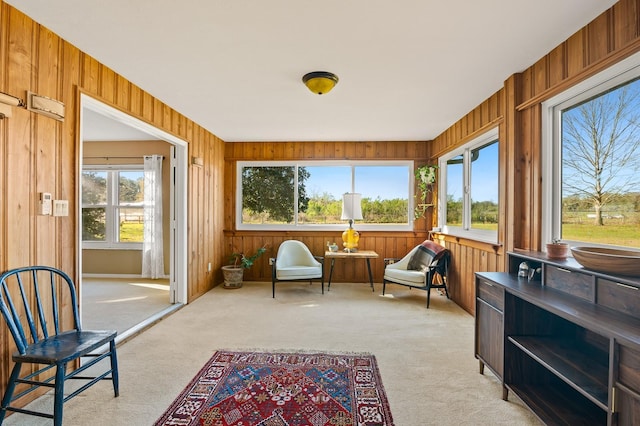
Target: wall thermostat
[(44, 204)]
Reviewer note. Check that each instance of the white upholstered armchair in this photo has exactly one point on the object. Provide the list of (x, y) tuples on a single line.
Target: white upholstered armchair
[(294, 262), (424, 267)]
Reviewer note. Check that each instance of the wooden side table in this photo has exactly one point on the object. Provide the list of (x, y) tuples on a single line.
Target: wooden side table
[(360, 254)]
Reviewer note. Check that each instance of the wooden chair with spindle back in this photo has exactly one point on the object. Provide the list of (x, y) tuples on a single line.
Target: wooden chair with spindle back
[(39, 305)]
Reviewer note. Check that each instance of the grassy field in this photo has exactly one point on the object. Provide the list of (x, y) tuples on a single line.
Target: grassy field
[(131, 232), (627, 235), (619, 234)]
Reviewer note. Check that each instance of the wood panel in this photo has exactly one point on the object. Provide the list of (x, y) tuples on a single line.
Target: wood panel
[(39, 154), (387, 244), (516, 109)]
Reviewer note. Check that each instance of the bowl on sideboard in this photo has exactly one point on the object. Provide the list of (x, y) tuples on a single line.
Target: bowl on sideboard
[(613, 261)]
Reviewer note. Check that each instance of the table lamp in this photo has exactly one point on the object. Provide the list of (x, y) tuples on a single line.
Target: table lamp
[(351, 210)]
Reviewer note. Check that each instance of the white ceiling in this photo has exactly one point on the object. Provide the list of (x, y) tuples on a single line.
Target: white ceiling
[(97, 127), (408, 69)]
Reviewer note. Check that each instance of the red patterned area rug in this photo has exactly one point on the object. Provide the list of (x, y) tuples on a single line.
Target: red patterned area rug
[(283, 389)]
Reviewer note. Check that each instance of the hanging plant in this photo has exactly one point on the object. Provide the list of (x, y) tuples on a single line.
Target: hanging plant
[(426, 176)]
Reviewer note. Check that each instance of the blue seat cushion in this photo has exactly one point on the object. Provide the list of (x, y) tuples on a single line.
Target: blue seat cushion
[(65, 346)]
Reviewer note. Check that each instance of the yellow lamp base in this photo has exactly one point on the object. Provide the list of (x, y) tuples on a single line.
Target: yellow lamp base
[(350, 238)]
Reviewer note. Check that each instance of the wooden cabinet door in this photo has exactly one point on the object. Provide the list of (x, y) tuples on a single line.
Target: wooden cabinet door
[(489, 337)]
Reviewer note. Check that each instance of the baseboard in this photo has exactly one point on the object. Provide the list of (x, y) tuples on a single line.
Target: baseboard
[(127, 276)]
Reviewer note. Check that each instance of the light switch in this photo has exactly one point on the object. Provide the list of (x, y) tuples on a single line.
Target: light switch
[(61, 207)]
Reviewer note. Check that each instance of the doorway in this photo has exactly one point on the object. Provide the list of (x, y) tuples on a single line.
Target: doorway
[(112, 292)]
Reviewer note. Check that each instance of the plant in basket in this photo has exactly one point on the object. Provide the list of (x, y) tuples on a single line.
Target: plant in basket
[(238, 262)]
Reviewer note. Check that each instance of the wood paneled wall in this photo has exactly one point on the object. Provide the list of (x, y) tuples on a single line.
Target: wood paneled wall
[(611, 37), (470, 256), (516, 109), (39, 154), (387, 244)]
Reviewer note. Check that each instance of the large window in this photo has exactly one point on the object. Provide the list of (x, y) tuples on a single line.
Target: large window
[(295, 195), (112, 207), (468, 200), (592, 153)]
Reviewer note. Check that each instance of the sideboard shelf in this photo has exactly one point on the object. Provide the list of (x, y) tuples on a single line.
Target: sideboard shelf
[(553, 406), (571, 362), (567, 342)]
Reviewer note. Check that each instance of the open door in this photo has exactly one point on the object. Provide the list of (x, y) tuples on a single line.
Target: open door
[(177, 165)]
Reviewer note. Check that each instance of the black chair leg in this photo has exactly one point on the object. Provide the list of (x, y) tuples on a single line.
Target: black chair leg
[(428, 295), (11, 386), (444, 284), (273, 288), (58, 397), (114, 368), (384, 286)]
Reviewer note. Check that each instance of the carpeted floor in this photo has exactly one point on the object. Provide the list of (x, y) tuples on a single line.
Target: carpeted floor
[(121, 303), (425, 356)]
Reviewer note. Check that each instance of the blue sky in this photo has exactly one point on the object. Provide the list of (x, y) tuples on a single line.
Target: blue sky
[(392, 182), (484, 180), (371, 181)]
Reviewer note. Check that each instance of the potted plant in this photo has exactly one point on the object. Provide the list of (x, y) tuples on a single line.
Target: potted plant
[(556, 249), (426, 176), (234, 272)]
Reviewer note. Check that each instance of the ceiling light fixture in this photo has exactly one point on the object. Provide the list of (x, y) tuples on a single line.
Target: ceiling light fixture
[(320, 82)]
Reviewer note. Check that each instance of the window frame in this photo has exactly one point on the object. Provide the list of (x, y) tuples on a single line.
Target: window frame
[(111, 229), (324, 227), (491, 135), (551, 154)]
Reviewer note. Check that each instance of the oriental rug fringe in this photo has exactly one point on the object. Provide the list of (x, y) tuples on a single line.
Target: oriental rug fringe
[(283, 389)]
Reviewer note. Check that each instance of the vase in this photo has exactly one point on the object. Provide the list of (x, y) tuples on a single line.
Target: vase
[(232, 276), (557, 250)]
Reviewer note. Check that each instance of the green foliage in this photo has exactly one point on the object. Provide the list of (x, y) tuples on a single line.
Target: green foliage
[(246, 262), (130, 190), (93, 224), (620, 220), (454, 210), (94, 192), (426, 177), (94, 187), (484, 214), (384, 211), (270, 190), (326, 210)]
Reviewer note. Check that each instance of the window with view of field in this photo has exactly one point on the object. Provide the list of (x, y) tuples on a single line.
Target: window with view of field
[(469, 188), (596, 154), (298, 195), (112, 207)]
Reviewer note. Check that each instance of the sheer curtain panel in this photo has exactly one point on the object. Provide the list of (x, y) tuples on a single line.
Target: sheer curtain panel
[(152, 249)]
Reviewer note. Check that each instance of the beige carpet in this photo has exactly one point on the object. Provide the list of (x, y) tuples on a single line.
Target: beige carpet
[(425, 356), (121, 303)]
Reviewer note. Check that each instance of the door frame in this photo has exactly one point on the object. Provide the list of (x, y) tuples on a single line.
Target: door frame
[(178, 219)]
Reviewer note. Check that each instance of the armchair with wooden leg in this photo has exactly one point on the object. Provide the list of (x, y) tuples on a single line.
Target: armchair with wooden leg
[(424, 267)]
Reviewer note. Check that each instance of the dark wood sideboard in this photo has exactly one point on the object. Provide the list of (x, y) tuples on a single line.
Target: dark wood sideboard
[(567, 343)]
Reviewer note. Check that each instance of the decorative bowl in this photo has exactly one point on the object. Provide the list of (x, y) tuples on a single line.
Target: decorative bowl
[(613, 261)]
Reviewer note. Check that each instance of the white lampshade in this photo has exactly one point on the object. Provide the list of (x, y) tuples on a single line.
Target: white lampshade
[(351, 206)]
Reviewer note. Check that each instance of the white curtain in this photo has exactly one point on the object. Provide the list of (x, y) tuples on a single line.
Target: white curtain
[(152, 249)]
